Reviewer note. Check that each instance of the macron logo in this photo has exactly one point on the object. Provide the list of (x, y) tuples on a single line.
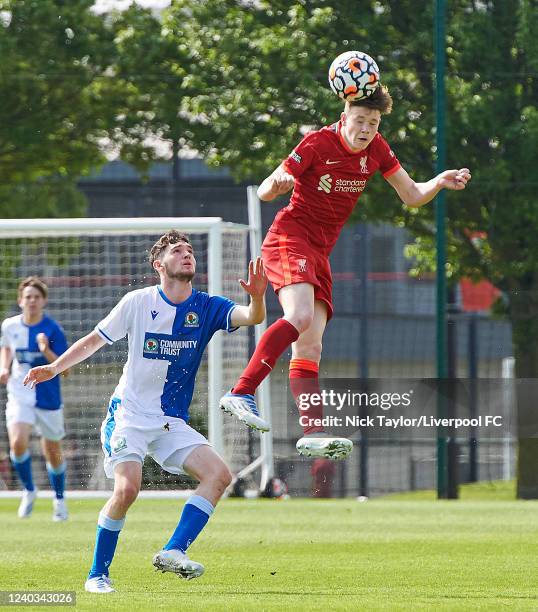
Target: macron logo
[(325, 183), (154, 313)]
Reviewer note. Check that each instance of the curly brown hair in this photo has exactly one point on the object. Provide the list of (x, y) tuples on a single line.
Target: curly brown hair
[(171, 237), (36, 283), (380, 99)]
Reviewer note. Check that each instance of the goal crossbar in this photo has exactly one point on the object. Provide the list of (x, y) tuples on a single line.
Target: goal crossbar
[(21, 228)]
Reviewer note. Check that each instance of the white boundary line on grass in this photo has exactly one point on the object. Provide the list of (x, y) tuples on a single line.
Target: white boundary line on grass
[(181, 494)]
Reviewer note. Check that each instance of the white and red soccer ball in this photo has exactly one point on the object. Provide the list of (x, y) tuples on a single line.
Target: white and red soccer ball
[(353, 75)]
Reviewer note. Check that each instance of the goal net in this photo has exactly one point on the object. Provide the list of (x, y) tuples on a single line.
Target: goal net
[(88, 265)]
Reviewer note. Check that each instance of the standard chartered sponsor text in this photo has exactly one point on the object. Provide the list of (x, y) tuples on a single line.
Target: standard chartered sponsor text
[(349, 185)]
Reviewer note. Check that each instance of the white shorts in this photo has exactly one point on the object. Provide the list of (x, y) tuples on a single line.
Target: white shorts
[(48, 423), (127, 436)]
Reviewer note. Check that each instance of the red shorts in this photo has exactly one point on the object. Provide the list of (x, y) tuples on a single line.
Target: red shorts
[(289, 260)]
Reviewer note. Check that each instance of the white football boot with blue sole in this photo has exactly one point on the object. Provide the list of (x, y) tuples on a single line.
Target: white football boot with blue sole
[(244, 408)]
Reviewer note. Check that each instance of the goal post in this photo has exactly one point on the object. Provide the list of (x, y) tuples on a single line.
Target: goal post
[(264, 392), (89, 264)]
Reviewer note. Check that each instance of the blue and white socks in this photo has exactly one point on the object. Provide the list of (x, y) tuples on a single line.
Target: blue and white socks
[(194, 517), (57, 479), (23, 467), (106, 540)]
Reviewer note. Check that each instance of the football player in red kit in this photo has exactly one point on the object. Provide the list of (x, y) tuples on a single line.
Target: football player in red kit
[(328, 171)]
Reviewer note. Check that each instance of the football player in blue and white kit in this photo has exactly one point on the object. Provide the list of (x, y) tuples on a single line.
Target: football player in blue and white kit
[(31, 339), (168, 327)]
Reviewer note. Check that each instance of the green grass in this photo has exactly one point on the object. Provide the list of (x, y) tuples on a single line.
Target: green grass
[(497, 490), (385, 554)]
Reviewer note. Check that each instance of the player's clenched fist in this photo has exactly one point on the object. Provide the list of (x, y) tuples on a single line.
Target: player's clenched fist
[(454, 179), (42, 342), (276, 184), (282, 181)]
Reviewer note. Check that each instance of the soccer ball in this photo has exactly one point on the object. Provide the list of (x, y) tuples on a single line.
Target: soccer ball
[(353, 75)]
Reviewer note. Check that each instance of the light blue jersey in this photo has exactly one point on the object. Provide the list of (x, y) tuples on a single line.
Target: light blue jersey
[(21, 339), (166, 345)]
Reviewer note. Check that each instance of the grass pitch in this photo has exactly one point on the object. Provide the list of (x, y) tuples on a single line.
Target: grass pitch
[(396, 553)]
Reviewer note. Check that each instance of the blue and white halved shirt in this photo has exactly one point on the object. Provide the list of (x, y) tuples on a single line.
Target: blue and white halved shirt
[(21, 339), (166, 345)]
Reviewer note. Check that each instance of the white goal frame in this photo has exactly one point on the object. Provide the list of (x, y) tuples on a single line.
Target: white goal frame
[(214, 228)]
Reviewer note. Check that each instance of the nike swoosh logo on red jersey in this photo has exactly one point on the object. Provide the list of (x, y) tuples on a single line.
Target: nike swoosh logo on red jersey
[(266, 364), (328, 162)]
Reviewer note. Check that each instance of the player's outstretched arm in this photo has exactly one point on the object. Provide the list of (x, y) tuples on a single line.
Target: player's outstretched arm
[(76, 353), (255, 286), (417, 194), (276, 184)]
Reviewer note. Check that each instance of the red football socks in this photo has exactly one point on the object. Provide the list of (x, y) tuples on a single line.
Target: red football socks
[(303, 383), (272, 344)]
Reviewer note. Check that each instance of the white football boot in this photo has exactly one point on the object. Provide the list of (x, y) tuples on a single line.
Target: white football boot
[(322, 445), (59, 510), (99, 584), (27, 503), (244, 408), (178, 563)]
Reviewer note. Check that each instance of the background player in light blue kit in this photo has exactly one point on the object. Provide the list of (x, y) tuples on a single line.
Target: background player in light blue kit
[(168, 327), (32, 339)]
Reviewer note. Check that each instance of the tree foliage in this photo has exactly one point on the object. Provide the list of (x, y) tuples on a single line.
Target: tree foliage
[(53, 113), (149, 83)]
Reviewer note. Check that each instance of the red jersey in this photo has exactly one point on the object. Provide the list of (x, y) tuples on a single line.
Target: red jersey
[(329, 178)]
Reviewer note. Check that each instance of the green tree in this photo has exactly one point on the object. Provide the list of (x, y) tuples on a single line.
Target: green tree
[(54, 110), (259, 72), (53, 198), (149, 81)]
